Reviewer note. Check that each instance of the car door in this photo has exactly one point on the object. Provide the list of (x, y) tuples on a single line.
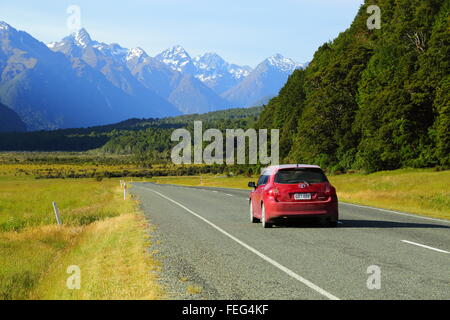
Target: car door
[(257, 196)]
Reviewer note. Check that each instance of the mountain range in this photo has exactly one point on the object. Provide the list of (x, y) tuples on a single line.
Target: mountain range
[(79, 82), (10, 121)]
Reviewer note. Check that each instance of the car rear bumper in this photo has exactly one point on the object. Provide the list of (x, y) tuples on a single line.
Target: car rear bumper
[(281, 210)]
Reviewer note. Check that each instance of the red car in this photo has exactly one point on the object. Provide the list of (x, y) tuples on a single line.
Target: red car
[(293, 191)]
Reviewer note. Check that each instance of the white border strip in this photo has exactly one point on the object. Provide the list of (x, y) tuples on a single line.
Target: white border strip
[(361, 206), (424, 246), (259, 254), (396, 212)]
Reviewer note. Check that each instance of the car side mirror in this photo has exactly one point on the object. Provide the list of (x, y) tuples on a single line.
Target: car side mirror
[(252, 185)]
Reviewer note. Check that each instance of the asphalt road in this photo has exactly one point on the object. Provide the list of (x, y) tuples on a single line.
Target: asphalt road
[(210, 250)]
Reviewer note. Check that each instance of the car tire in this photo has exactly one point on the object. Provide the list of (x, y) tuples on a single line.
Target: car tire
[(252, 216), (332, 224), (265, 224), (328, 223)]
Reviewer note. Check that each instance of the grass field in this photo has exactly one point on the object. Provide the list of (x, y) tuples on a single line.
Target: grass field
[(107, 237), (102, 234), (420, 191)]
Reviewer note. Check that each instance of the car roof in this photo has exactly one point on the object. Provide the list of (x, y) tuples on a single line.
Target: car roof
[(273, 169)]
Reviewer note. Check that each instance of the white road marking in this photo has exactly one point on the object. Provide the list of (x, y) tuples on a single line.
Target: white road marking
[(396, 212), (424, 246), (230, 195), (258, 253), (384, 210)]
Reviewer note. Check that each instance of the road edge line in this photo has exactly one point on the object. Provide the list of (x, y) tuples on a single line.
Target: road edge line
[(424, 246), (396, 212), (258, 253)]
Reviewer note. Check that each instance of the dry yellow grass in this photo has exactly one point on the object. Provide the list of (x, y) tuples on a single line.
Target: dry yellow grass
[(102, 233), (113, 261), (25, 257), (421, 191), (238, 182)]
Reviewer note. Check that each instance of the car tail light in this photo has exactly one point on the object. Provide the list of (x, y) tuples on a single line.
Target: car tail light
[(274, 193), (329, 191)]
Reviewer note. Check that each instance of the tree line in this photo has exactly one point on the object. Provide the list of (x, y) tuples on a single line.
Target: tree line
[(372, 99)]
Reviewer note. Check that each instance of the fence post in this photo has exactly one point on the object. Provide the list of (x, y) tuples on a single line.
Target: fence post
[(125, 191), (57, 215)]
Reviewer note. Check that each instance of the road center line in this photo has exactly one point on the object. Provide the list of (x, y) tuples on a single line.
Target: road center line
[(424, 246), (258, 253)]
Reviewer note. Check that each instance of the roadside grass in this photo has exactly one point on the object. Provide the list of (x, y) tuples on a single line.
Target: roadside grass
[(237, 182), (113, 261), (420, 191), (25, 257), (103, 234), (26, 202)]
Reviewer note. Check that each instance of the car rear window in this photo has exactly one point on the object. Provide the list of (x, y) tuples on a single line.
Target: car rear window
[(298, 175)]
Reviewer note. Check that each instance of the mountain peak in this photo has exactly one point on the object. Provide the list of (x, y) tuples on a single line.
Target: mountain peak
[(136, 53), (179, 51), (210, 55), (81, 37), (175, 57), (177, 47), (210, 60), (280, 62), (5, 26)]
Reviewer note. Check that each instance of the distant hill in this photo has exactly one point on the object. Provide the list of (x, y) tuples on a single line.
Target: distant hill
[(10, 121), (151, 136)]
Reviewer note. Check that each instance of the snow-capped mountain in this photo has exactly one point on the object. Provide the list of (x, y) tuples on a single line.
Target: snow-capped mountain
[(211, 65), (283, 64), (79, 81), (230, 84), (50, 90), (263, 83), (110, 60), (137, 55), (4, 25), (218, 74), (168, 75), (241, 86), (177, 59)]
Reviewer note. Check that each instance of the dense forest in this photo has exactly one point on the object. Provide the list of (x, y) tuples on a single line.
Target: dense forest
[(372, 99), (145, 138)]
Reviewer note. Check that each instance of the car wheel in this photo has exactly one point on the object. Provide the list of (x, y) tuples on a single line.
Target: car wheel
[(332, 224), (329, 223), (252, 217), (265, 224)]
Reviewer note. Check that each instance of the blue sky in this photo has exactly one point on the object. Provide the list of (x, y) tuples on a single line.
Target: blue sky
[(242, 32)]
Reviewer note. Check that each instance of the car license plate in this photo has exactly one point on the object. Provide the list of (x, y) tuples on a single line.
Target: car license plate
[(302, 196)]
